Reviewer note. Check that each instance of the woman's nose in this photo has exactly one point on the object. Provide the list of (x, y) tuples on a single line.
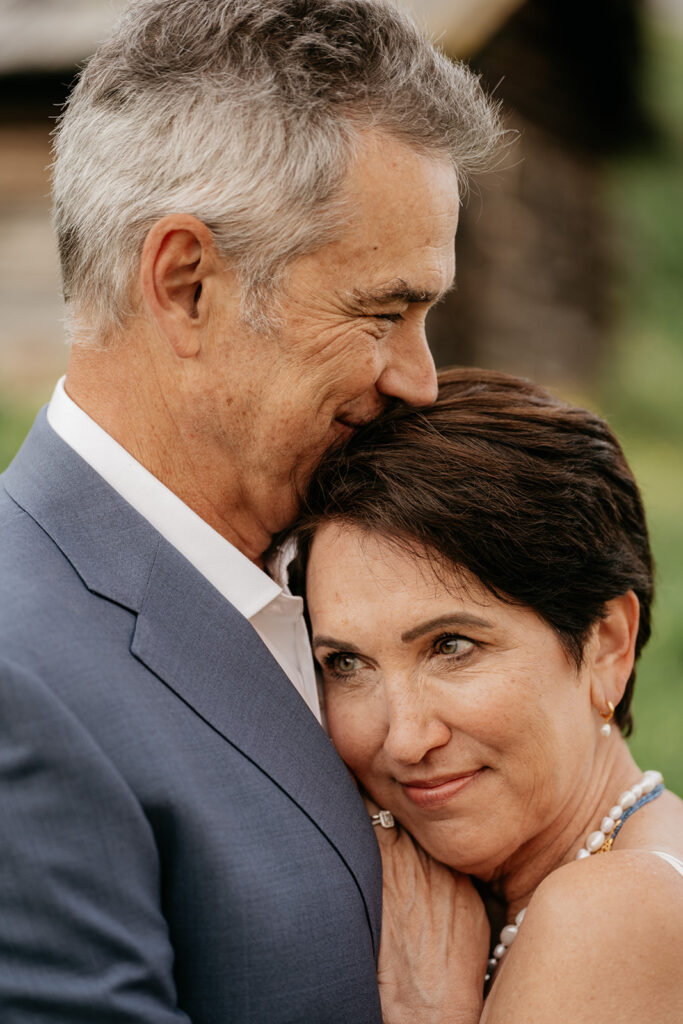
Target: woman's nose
[(414, 728)]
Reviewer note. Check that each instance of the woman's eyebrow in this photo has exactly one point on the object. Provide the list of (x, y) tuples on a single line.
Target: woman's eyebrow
[(329, 641), (459, 619)]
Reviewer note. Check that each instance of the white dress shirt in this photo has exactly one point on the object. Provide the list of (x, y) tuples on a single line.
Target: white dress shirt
[(275, 614)]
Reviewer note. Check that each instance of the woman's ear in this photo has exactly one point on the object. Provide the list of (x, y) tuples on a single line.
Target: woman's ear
[(178, 258), (611, 650)]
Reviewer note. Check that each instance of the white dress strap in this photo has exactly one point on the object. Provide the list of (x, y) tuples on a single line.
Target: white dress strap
[(673, 861)]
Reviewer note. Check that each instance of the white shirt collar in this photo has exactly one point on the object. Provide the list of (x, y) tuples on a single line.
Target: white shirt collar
[(242, 583)]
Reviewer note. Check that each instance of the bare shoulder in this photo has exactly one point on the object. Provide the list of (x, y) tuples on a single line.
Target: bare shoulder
[(635, 884), (601, 936)]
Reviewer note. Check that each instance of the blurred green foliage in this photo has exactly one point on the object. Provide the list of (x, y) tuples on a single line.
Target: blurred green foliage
[(16, 417), (642, 391)]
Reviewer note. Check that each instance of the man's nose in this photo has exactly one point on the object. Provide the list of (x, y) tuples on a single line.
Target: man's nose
[(409, 374), (414, 728)]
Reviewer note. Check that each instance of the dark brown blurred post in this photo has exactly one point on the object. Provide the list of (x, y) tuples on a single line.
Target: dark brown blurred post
[(534, 249)]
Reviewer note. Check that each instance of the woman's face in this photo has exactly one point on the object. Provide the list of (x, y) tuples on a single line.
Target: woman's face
[(460, 713)]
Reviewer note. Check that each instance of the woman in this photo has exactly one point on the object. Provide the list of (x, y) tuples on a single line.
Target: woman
[(479, 580)]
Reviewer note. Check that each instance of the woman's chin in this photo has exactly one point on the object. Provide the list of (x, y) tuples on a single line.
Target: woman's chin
[(474, 847), (454, 844)]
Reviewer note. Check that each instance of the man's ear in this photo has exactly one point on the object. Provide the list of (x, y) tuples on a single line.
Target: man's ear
[(178, 260), (611, 650)]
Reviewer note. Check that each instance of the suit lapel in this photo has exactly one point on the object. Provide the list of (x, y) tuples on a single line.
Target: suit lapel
[(194, 640), (197, 643)]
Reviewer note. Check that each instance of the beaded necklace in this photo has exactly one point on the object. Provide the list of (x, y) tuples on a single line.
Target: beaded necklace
[(600, 841)]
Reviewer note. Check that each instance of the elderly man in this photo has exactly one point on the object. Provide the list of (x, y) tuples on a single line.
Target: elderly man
[(256, 205)]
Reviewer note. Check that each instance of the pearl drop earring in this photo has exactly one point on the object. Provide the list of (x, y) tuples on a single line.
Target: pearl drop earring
[(606, 729)]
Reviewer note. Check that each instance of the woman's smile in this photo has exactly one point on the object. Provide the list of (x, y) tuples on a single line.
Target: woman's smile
[(436, 792)]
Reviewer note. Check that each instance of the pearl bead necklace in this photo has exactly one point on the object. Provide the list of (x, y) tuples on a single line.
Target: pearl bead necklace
[(600, 841)]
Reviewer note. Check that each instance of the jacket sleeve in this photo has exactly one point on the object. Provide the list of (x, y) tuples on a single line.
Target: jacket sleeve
[(82, 935)]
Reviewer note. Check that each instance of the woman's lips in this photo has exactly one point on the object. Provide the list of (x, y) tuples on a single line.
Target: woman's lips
[(434, 792)]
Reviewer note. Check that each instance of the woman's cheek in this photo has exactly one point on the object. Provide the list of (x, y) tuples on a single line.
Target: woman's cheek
[(354, 730)]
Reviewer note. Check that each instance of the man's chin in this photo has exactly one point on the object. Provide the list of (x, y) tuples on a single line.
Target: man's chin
[(341, 430)]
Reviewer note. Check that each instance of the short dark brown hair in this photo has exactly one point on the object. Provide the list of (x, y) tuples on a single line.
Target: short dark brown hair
[(531, 495)]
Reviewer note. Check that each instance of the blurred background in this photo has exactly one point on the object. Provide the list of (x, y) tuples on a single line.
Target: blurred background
[(570, 254)]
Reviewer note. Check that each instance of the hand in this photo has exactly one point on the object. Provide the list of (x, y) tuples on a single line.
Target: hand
[(435, 937)]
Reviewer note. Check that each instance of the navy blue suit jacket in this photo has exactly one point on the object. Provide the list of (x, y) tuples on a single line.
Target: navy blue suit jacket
[(178, 838)]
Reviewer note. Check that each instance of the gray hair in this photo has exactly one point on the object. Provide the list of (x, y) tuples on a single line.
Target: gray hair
[(246, 114)]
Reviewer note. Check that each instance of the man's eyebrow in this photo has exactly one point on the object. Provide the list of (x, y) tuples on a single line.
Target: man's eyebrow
[(395, 291), (461, 620)]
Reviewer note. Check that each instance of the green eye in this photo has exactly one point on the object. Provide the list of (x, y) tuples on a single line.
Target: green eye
[(344, 664), (452, 646)]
